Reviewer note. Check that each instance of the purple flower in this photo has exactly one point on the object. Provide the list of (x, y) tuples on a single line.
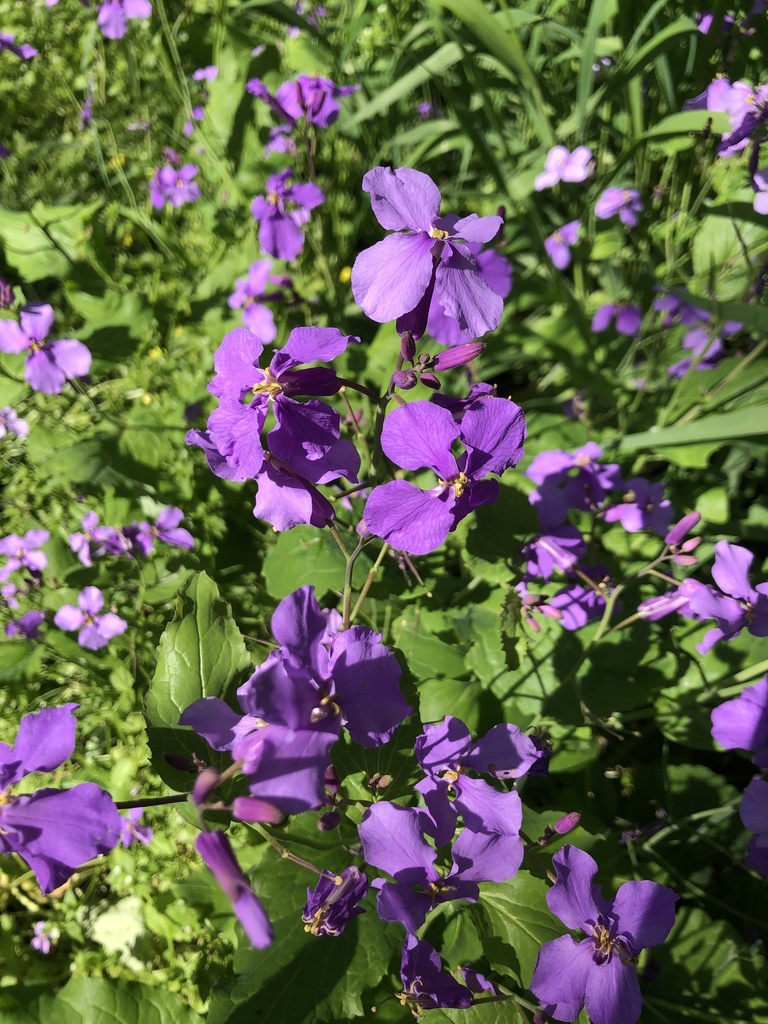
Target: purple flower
[(312, 98), (447, 754), (676, 309), (558, 245), (248, 293), (27, 626), (22, 551), (114, 15), (754, 816), (747, 109), (707, 350), (393, 839), (628, 318), (207, 74), (396, 277), (133, 831), (561, 165), (624, 201), (91, 541), (533, 604), (677, 600), (598, 972), (578, 605), (744, 605), (760, 181), (142, 536), (644, 507), (216, 851), (280, 232), (742, 723), (421, 435), (53, 830), (8, 42), (426, 986), (95, 630), (174, 186), (559, 548), (6, 292), (496, 271), (334, 901), (570, 480), (41, 941), (49, 364)]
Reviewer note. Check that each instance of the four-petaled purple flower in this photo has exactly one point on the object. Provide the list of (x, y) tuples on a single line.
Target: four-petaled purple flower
[(559, 244), (27, 626), (740, 605), (396, 278), (174, 185), (421, 435), (334, 901), (41, 940), (624, 201), (280, 228), (216, 851), (95, 630), (742, 723), (114, 16), (49, 364), (426, 986), (627, 318), (248, 295), (309, 97), (496, 271), (53, 830), (644, 508), (561, 165), (166, 529), (598, 972), (132, 830), (22, 552)]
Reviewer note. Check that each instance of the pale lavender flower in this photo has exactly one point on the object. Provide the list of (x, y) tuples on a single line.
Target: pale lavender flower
[(95, 630), (760, 181), (598, 972), (625, 202), (282, 213), (41, 940), (114, 16), (248, 295), (707, 350), (22, 552), (174, 186), (558, 245), (561, 165), (132, 830), (206, 74), (742, 723), (12, 423)]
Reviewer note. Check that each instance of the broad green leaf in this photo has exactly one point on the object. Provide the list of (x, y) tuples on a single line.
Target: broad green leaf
[(201, 652), (307, 555), (106, 1001)]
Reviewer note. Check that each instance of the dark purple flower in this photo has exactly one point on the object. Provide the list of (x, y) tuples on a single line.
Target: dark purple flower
[(280, 228), (312, 98), (132, 830), (49, 364), (496, 271), (558, 245), (53, 830), (447, 754), (598, 972), (23, 50), (95, 630), (742, 723), (27, 626), (174, 186), (426, 986), (334, 901), (754, 816), (421, 435), (561, 165), (397, 277), (744, 606), (624, 201), (114, 15), (393, 839), (644, 507), (216, 851), (22, 552), (559, 548), (628, 319)]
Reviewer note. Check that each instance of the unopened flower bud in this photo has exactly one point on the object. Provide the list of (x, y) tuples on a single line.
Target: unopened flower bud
[(205, 783), (430, 380), (329, 821), (567, 823), (180, 763), (6, 294), (680, 531), (407, 346), (332, 780), (540, 1017), (404, 379), (457, 356), (250, 808)]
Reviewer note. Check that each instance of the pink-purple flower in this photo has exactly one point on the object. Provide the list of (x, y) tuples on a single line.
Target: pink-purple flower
[(174, 185), (282, 213), (114, 16), (95, 631), (625, 202), (559, 244), (562, 165), (598, 972), (739, 606), (742, 723), (427, 255), (249, 295), (22, 552), (49, 364)]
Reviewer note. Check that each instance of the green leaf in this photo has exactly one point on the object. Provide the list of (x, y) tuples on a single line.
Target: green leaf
[(514, 922), (751, 421), (101, 1001), (304, 555), (200, 653)]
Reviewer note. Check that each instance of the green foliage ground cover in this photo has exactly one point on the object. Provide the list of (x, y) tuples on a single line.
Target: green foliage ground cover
[(145, 935)]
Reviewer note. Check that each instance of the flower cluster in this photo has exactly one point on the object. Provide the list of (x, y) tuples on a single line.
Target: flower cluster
[(307, 100)]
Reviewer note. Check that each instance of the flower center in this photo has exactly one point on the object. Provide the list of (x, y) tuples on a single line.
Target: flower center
[(270, 386), (458, 483), (438, 233), (273, 198), (607, 946)]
